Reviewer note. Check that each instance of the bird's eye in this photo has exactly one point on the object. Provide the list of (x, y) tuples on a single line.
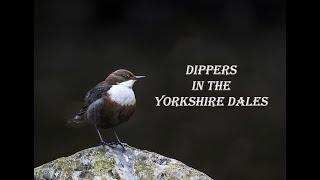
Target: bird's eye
[(125, 76)]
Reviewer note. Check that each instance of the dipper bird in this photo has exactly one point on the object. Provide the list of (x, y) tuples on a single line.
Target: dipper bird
[(109, 103)]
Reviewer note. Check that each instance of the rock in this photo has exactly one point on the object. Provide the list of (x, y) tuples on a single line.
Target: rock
[(112, 163)]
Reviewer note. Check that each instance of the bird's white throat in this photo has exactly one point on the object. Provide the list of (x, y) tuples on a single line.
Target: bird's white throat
[(122, 93)]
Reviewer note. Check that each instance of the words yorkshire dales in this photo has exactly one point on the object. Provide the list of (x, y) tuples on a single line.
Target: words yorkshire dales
[(212, 85)]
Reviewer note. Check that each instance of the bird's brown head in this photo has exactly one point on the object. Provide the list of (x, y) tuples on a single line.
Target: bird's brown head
[(121, 76)]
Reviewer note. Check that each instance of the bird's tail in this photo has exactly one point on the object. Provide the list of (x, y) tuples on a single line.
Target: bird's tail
[(78, 118)]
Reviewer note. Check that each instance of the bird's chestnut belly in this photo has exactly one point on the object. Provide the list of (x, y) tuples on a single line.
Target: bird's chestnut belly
[(115, 114)]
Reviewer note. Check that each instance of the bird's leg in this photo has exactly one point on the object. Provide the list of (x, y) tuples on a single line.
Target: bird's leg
[(101, 139), (118, 140)]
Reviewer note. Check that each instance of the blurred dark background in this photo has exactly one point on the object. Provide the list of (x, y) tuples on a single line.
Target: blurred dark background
[(78, 43)]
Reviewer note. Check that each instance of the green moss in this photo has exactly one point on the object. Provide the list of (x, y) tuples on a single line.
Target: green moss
[(78, 166), (101, 153), (107, 166), (104, 165), (142, 169), (65, 166), (100, 165)]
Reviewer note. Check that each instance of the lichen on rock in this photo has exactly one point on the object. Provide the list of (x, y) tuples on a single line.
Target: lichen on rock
[(100, 163)]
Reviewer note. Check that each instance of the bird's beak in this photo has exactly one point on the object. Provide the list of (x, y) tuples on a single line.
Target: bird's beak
[(138, 77)]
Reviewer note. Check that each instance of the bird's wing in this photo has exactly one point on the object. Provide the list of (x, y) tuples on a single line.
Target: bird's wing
[(96, 93), (91, 96)]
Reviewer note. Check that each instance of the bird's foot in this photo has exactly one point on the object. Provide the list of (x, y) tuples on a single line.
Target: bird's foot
[(114, 144), (119, 143), (106, 144)]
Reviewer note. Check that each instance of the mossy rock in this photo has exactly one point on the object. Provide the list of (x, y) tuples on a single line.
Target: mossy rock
[(112, 163)]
